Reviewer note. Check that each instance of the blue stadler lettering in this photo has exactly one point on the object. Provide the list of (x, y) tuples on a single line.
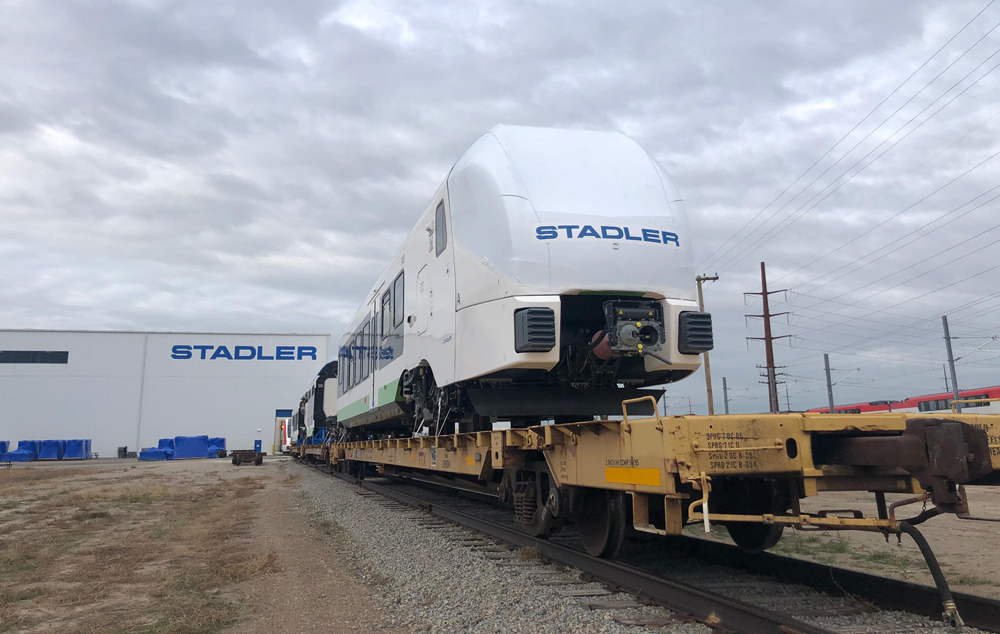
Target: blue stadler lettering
[(184, 352), (607, 232)]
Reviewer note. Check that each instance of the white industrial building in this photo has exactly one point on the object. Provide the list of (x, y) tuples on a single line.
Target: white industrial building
[(133, 388)]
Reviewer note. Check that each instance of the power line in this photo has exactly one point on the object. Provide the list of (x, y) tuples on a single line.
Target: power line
[(930, 257), (893, 184), (917, 230), (848, 133), (792, 217), (906, 301)]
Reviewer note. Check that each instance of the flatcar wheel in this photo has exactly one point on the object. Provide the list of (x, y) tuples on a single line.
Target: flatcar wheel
[(601, 522), (755, 538), (754, 497)]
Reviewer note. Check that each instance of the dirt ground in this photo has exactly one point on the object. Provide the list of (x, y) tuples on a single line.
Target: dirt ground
[(186, 547), (967, 550), (199, 547)]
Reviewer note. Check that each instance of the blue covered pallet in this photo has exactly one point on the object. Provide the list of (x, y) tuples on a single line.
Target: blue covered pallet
[(52, 450), (215, 445), (4, 448), (190, 447), (167, 445), (27, 451), (77, 449), (90, 452), (152, 454)]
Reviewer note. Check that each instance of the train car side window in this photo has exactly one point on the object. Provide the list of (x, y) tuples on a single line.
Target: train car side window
[(440, 229), (386, 312), (397, 300)]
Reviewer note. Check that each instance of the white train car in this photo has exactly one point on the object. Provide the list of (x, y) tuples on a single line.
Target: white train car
[(318, 406), (550, 277)]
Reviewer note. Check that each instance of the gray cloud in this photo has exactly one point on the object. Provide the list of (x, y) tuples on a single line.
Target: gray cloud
[(245, 166)]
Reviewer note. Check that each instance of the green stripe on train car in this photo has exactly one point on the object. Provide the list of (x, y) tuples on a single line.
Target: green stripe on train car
[(359, 406), (388, 393)]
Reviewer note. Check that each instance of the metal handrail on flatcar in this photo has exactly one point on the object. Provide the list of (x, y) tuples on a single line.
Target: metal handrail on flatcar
[(963, 401)]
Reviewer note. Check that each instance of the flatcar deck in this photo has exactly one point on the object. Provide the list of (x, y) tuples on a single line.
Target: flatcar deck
[(746, 472)]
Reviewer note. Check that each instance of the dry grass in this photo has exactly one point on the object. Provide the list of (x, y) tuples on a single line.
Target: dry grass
[(119, 554), (526, 553)]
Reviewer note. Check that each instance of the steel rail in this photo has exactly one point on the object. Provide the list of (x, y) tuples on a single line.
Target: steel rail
[(715, 610), (885, 592)]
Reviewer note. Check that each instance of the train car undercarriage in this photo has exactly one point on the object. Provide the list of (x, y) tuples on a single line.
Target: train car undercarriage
[(745, 472)]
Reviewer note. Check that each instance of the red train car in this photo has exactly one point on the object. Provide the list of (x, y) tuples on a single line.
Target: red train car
[(927, 403)]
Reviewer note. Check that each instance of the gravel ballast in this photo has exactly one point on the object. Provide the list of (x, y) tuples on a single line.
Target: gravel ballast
[(431, 580)]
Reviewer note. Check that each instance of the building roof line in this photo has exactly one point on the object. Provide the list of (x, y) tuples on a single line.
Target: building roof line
[(166, 332)]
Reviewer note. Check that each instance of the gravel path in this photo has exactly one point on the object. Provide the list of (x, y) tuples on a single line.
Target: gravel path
[(434, 579)]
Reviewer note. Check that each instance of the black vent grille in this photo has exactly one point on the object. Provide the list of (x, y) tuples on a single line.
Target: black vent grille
[(694, 334), (534, 329)]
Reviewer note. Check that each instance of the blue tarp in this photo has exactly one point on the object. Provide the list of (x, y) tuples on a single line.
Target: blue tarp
[(152, 454), (52, 450), (190, 447), (27, 450), (4, 447), (76, 449), (167, 445), (215, 445), (90, 452)]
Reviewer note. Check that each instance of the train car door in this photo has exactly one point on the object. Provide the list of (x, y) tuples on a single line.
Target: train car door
[(371, 350), (425, 300)]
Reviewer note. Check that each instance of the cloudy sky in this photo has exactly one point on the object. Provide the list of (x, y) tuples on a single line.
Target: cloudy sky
[(250, 166)]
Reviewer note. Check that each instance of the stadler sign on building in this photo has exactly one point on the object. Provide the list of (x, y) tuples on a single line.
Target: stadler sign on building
[(132, 388)]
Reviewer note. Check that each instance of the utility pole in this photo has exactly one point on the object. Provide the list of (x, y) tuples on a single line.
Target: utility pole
[(768, 339), (951, 362), (708, 366), (944, 372), (788, 399), (829, 384), (725, 394), (690, 409)]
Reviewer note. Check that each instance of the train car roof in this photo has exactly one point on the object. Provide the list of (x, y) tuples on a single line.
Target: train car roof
[(576, 171), (516, 185)]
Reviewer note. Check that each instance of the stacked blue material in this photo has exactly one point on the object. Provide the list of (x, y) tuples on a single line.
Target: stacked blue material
[(52, 450), (76, 449), (215, 445), (90, 452), (167, 445), (152, 454), (27, 451), (4, 447), (190, 447)]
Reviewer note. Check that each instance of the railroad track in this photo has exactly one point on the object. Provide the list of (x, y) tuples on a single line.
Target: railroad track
[(773, 593)]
